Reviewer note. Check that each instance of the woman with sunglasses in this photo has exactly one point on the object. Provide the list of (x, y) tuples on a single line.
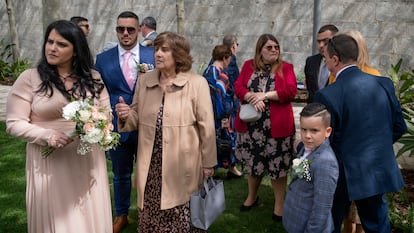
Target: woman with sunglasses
[(266, 145)]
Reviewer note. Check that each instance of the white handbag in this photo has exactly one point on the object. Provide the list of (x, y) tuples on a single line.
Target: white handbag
[(207, 204), (248, 113)]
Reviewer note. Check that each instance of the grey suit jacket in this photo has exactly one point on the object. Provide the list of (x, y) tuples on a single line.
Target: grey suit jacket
[(308, 204)]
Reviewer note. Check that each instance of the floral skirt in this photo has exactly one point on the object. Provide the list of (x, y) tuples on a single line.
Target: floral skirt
[(151, 217), (260, 153)]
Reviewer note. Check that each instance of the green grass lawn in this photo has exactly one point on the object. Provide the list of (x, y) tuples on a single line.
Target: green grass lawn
[(13, 210)]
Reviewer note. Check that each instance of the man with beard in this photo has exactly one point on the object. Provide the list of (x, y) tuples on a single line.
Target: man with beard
[(119, 67)]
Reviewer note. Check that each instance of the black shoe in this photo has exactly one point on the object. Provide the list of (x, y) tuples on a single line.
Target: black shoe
[(277, 218), (244, 208), (231, 175)]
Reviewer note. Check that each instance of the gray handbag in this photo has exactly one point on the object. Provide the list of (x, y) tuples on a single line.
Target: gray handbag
[(207, 203), (248, 113)]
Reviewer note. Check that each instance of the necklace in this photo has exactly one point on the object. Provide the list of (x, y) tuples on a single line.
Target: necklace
[(66, 77)]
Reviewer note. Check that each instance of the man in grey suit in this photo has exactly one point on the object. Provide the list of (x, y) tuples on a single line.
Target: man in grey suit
[(366, 121), (149, 31), (309, 198)]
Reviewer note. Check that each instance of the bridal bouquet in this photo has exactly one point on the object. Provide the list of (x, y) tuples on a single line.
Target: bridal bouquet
[(92, 126), (301, 169)]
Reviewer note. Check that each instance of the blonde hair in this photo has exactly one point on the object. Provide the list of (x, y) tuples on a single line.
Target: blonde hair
[(363, 56)]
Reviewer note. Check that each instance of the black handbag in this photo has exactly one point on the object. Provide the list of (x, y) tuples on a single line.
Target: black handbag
[(224, 149)]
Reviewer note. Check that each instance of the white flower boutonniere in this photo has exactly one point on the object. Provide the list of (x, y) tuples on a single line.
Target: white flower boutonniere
[(144, 67), (301, 169)]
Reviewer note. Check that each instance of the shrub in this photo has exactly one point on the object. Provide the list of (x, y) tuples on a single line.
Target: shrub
[(404, 88), (10, 70)]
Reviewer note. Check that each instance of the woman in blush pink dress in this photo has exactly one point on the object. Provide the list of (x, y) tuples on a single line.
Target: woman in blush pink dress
[(66, 192)]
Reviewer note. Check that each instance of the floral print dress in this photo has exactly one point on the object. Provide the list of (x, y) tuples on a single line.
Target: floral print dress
[(151, 217), (258, 151)]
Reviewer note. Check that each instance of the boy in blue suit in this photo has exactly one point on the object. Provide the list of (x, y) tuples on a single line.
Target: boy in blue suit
[(309, 198), (111, 65)]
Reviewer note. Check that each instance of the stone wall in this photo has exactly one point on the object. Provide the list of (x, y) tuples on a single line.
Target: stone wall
[(388, 25)]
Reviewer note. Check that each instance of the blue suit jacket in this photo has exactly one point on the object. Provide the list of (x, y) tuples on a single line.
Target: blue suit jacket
[(366, 121), (107, 63), (307, 206)]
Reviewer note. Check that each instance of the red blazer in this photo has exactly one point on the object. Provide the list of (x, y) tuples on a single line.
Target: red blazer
[(281, 112)]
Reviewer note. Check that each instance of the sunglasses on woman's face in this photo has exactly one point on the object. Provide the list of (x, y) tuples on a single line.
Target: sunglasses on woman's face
[(130, 30), (270, 47)]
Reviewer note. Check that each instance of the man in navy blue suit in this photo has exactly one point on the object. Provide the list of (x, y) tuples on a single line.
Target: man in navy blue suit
[(119, 67), (366, 120)]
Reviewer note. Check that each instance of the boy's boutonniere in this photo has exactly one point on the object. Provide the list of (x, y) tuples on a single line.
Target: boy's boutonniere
[(301, 169)]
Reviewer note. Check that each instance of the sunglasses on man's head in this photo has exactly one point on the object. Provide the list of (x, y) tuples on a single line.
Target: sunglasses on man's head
[(130, 30)]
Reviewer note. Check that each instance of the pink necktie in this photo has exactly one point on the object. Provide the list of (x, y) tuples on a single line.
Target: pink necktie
[(126, 69)]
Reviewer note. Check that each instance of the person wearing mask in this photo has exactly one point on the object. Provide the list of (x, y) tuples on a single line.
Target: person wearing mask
[(83, 23), (65, 191), (266, 145), (177, 143), (362, 139), (316, 73), (149, 31), (119, 67), (222, 93)]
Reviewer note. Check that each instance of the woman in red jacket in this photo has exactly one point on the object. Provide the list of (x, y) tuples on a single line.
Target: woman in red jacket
[(266, 145)]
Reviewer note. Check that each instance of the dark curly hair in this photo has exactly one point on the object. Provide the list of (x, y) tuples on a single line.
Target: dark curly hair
[(82, 65)]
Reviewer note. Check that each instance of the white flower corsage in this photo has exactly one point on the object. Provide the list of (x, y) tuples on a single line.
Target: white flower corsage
[(144, 67), (301, 169)]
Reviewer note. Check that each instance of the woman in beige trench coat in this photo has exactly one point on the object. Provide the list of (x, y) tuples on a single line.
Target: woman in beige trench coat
[(173, 113)]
